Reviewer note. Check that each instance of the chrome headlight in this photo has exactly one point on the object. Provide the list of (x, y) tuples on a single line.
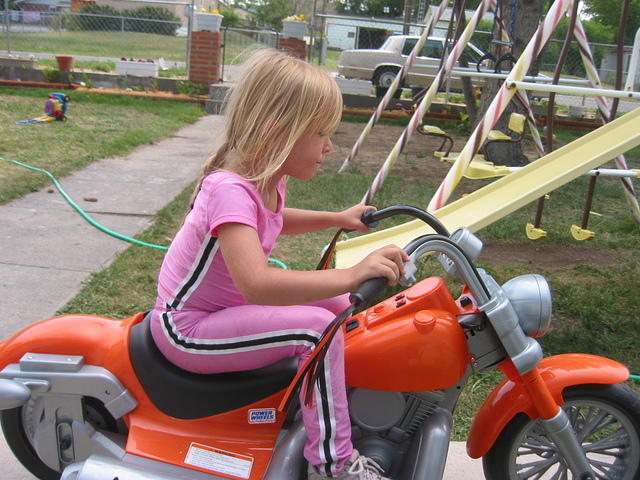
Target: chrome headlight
[(530, 297)]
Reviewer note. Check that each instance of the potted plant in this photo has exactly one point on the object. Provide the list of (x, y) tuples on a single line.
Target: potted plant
[(65, 62), (140, 66), (293, 26), (207, 20)]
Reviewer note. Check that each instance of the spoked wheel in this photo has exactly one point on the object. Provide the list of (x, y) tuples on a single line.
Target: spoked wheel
[(19, 425), (606, 419)]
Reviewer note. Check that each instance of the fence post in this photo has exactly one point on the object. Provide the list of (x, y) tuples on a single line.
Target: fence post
[(205, 64), (293, 46), (7, 23)]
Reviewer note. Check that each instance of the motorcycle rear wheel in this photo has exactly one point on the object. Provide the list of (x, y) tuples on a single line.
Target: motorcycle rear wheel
[(19, 443), (607, 422), (15, 427)]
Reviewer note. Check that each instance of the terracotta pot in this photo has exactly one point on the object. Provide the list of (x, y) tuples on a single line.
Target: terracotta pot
[(65, 62)]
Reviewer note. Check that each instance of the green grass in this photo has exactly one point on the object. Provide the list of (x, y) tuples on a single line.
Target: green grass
[(94, 65), (102, 44), (108, 67), (595, 307), (99, 126)]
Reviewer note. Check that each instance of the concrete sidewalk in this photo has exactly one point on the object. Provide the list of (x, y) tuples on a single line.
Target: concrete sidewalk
[(47, 251)]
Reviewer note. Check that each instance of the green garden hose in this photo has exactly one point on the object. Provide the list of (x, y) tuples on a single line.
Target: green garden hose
[(100, 227)]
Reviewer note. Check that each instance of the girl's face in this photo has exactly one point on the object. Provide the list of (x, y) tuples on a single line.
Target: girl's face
[(307, 156)]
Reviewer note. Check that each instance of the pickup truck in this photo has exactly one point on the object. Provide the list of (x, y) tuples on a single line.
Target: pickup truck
[(380, 66)]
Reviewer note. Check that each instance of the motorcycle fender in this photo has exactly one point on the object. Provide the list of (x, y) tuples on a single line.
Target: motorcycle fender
[(509, 398)]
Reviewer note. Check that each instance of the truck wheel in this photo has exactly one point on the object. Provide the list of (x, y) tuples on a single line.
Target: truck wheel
[(383, 78), (606, 419)]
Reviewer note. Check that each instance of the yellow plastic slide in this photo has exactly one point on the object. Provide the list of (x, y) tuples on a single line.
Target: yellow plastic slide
[(512, 192)]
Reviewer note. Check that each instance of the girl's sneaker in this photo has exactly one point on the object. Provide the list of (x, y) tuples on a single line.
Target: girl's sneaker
[(358, 467)]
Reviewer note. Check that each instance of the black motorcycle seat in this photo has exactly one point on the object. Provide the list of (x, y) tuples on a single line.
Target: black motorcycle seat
[(186, 395)]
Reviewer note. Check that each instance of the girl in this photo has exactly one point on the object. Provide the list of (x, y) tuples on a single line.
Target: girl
[(220, 306)]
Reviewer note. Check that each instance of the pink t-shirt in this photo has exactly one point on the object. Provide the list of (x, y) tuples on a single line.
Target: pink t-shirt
[(193, 275)]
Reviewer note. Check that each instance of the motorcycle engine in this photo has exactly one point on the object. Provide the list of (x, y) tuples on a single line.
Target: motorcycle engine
[(383, 423)]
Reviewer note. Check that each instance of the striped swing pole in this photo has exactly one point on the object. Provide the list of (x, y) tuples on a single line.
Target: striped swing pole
[(498, 105)]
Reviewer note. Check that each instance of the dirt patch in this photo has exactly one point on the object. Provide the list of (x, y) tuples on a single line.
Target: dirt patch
[(416, 158), (417, 161), (546, 255)]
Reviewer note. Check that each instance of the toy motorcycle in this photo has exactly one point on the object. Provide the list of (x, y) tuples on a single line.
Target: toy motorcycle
[(88, 398)]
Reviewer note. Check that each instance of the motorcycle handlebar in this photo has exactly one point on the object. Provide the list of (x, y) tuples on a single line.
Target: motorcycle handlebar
[(372, 217), (371, 287), (367, 290)]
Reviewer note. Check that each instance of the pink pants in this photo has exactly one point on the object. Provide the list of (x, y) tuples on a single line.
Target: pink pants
[(253, 336)]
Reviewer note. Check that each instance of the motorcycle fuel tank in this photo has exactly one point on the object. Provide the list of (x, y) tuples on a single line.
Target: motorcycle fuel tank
[(407, 343)]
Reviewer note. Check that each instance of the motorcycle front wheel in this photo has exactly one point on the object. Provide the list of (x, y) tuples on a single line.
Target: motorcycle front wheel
[(606, 419)]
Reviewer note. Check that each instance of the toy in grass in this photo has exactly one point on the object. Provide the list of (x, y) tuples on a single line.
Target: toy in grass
[(55, 108)]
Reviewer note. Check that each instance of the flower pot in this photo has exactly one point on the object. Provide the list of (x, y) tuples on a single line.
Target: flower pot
[(209, 22), (293, 29), (577, 111), (65, 62), (144, 69)]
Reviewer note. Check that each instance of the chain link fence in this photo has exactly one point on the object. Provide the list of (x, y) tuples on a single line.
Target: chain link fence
[(132, 35), (94, 35), (240, 42)]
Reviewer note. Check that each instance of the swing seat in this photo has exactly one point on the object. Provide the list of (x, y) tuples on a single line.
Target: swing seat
[(514, 134), (581, 234), (434, 131), (534, 233), (480, 170), (453, 156), (498, 136)]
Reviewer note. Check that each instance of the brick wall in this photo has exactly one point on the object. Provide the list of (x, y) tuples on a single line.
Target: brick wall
[(205, 65), (293, 46)]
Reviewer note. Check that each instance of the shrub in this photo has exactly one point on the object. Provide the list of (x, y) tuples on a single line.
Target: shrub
[(97, 17), (148, 21), (231, 18)]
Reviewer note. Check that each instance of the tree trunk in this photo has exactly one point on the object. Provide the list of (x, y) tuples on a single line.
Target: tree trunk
[(408, 5), (527, 17)]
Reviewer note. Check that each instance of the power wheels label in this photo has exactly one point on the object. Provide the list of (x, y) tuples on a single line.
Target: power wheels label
[(262, 415), (220, 461)]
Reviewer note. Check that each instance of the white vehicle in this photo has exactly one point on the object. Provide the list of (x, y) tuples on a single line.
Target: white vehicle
[(380, 66)]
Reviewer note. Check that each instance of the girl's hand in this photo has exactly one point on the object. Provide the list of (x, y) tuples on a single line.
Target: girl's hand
[(350, 219), (385, 262)]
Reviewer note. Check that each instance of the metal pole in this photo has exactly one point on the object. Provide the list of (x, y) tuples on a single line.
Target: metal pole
[(6, 25), (577, 91), (189, 29), (313, 45), (633, 64)]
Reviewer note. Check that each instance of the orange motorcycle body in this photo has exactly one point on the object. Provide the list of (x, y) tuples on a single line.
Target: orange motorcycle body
[(510, 397), (411, 342), (408, 343), (211, 445)]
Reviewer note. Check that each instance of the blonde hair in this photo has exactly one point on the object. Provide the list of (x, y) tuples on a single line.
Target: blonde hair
[(278, 101)]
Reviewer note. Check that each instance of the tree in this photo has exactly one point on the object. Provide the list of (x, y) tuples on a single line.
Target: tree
[(527, 17), (372, 8), (271, 12), (607, 12)]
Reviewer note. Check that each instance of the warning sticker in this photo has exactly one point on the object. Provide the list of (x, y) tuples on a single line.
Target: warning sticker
[(218, 460)]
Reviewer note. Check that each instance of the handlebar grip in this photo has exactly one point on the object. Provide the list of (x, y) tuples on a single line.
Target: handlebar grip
[(367, 290), (368, 218)]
